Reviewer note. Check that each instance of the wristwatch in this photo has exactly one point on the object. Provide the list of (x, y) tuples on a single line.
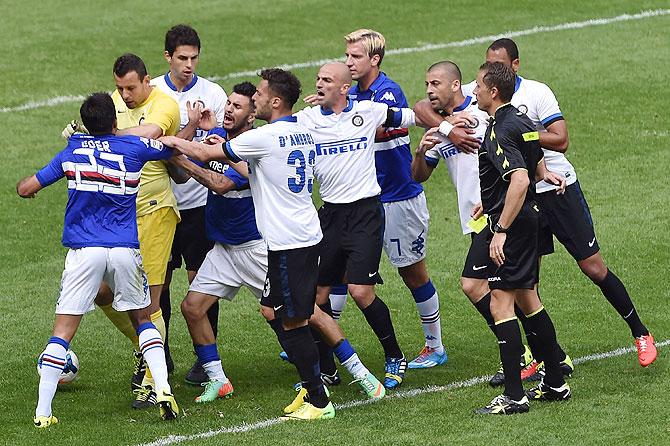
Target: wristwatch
[(497, 228)]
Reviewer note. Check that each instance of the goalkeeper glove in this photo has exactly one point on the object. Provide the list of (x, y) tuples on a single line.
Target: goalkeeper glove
[(72, 128)]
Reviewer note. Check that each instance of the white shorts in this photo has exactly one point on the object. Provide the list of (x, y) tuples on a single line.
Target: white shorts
[(86, 268), (228, 267), (406, 230)]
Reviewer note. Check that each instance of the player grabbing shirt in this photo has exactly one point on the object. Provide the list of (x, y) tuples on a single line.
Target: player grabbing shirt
[(103, 172)]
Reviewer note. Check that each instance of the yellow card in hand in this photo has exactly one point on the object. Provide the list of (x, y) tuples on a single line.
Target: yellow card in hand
[(479, 224)]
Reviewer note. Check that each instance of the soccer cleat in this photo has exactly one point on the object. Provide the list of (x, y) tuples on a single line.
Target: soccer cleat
[(371, 386), (331, 380), (284, 356), (215, 389), (567, 367), (530, 372), (395, 372), (309, 412), (498, 379), (197, 375), (504, 405), (297, 401), (167, 405), (42, 421), (543, 392), (145, 397), (428, 357), (646, 350), (139, 370), (300, 398)]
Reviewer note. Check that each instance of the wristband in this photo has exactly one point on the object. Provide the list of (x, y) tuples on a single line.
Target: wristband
[(445, 128)]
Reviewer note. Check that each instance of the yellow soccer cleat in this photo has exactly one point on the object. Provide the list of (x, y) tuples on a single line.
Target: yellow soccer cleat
[(297, 401), (310, 412), (168, 405), (42, 422)]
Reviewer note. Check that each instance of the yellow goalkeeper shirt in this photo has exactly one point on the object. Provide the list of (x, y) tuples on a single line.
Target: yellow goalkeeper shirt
[(160, 109)]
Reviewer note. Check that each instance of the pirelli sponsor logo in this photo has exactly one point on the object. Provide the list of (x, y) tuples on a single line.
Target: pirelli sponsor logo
[(342, 146)]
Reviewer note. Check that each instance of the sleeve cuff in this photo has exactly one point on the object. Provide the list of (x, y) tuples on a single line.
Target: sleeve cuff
[(230, 154)]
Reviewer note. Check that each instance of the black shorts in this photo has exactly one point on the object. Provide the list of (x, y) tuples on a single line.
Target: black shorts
[(478, 261), (352, 242), (290, 286), (520, 268), (569, 219), (190, 240)]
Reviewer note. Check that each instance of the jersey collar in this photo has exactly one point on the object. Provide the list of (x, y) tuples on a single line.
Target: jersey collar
[(289, 118), (464, 105), (173, 87), (517, 84), (350, 105), (375, 85)]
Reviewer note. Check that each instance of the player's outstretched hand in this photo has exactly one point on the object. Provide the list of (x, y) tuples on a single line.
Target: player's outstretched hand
[(462, 120), (556, 180), (428, 141), (170, 141), (207, 119), (73, 127), (312, 99), (194, 112), (463, 139), (214, 139)]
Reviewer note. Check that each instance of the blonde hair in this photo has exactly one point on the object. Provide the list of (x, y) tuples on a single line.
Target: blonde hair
[(373, 42)]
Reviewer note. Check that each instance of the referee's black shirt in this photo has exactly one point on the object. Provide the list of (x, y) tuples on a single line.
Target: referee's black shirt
[(510, 143)]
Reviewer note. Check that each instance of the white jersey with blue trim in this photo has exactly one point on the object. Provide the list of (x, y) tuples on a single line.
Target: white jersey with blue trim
[(212, 96), (539, 103), (345, 154), (281, 158), (463, 167)]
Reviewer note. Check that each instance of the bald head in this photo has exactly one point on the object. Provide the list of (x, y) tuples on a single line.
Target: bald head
[(339, 71), (332, 85), (449, 69)]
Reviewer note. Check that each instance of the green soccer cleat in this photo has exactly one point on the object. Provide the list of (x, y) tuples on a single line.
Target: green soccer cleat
[(42, 421), (504, 405), (371, 386), (215, 389), (310, 412), (169, 409), (567, 367)]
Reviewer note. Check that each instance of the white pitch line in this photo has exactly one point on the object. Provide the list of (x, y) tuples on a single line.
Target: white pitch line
[(411, 393), (418, 49)]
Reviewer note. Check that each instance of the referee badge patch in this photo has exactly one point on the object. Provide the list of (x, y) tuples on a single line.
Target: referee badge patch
[(357, 120), (266, 288)]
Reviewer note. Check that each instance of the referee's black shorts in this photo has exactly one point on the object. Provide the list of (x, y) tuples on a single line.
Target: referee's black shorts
[(352, 242), (290, 286), (520, 268), (190, 240), (478, 261), (568, 217)]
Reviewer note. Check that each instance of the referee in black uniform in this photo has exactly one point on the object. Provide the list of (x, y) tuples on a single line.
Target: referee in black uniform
[(510, 161)]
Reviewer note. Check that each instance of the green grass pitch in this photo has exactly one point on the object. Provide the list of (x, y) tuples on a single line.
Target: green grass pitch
[(610, 81)]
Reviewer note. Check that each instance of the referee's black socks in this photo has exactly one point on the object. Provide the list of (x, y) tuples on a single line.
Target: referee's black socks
[(484, 308), (615, 293), (300, 347), (540, 323), (379, 318), (509, 342)]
